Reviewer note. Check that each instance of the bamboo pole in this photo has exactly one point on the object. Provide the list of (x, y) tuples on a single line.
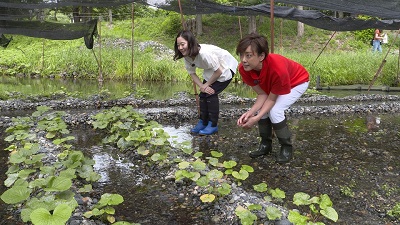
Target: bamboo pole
[(272, 26), (132, 39)]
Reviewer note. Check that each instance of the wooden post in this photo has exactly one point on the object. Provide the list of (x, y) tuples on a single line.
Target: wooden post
[(132, 38)]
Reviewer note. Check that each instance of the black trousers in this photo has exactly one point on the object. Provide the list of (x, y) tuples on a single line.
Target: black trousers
[(209, 104)]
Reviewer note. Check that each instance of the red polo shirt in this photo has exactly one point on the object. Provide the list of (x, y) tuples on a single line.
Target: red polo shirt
[(278, 75)]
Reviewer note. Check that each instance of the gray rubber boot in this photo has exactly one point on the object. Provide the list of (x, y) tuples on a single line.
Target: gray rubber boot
[(265, 147), (283, 134)]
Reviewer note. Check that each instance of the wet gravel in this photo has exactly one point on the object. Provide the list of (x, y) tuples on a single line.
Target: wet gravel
[(183, 107), (334, 164)]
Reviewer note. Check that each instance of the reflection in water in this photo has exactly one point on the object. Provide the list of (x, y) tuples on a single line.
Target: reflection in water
[(107, 167), (118, 89), (178, 135)]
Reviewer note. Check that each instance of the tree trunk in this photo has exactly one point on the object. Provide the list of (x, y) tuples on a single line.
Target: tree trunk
[(252, 24), (199, 24), (75, 15), (300, 25), (87, 13)]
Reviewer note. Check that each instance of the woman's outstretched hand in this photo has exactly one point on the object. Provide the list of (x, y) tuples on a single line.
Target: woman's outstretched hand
[(247, 120)]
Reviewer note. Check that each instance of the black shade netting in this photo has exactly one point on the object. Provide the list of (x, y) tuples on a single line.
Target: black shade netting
[(50, 30), (313, 18), (4, 41)]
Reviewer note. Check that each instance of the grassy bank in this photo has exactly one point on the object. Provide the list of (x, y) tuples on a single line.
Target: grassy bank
[(345, 60)]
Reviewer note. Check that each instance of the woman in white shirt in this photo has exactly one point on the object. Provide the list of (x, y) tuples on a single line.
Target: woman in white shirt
[(218, 65)]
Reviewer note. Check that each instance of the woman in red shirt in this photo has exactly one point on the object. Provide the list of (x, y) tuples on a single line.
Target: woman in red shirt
[(278, 82)]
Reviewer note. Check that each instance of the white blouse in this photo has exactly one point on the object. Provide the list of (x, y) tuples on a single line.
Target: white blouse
[(210, 58)]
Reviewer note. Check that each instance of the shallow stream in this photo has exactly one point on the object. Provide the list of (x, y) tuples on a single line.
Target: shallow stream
[(357, 166), (354, 158)]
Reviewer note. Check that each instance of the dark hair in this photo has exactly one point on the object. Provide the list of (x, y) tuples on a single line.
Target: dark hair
[(193, 45), (258, 43)]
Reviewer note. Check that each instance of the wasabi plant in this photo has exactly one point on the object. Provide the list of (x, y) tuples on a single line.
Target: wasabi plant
[(246, 216), (209, 176), (130, 131), (318, 207), (272, 212), (104, 209), (44, 190)]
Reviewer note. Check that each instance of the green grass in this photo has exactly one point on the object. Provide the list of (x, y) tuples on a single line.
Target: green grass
[(345, 60)]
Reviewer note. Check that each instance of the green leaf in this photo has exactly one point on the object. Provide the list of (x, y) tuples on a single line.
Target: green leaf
[(60, 215), (247, 168), (330, 213), (213, 161), (301, 198), (11, 178), (58, 184), (277, 193), (142, 150), (51, 134), (109, 210), (228, 171), (110, 199), (241, 175), (196, 155), (17, 157), (34, 159), (68, 173), (158, 157), (216, 154), (25, 173), (273, 213), (224, 189), (254, 207), (183, 165), (246, 217), (203, 181), (13, 169), (296, 218), (86, 188), (48, 170), (16, 194), (214, 174), (229, 164), (207, 198), (325, 201), (198, 165), (261, 187)]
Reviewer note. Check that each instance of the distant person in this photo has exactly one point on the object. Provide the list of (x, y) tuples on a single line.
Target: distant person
[(279, 82), (376, 43), (219, 67)]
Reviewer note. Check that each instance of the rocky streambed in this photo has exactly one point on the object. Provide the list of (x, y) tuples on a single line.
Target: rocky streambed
[(358, 169)]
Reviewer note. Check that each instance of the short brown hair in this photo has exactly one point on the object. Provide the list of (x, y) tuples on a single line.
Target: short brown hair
[(258, 43)]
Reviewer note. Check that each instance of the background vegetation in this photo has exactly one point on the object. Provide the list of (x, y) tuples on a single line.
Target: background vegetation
[(347, 59)]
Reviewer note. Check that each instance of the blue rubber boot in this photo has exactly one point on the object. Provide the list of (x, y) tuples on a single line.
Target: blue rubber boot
[(199, 126), (209, 129)]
